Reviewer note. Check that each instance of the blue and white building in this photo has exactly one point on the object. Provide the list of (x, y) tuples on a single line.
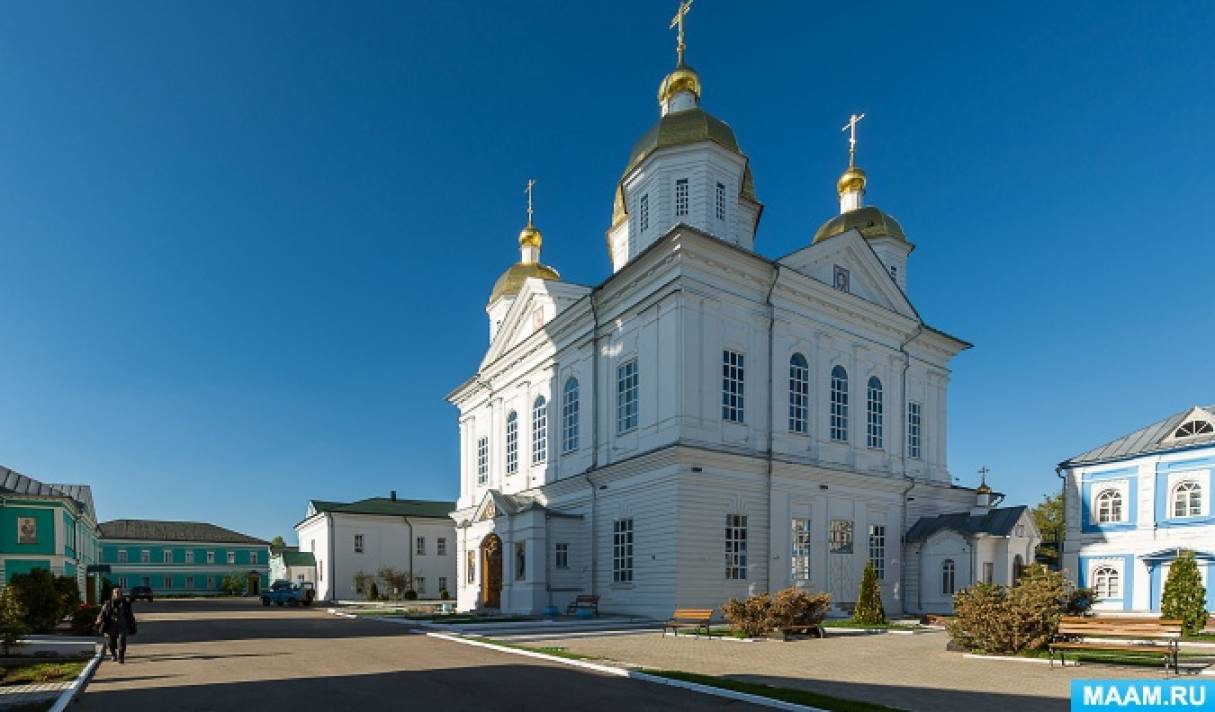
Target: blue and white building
[(1134, 503)]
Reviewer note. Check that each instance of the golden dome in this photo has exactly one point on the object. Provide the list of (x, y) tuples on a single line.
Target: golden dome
[(983, 489), (530, 236), (512, 279), (683, 78), (851, 179), (869, 221)]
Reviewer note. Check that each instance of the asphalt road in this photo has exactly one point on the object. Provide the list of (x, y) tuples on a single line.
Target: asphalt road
[(234, 654)]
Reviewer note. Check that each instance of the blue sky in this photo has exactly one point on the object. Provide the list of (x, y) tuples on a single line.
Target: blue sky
[(246, 249)]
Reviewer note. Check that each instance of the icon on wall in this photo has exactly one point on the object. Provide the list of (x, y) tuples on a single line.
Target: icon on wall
[(27, 530)]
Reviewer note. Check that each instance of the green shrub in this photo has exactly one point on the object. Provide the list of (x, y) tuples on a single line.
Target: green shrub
[(83, 618), (12, 618), (869, 608), (234, 584), (1003, 620), (411, 595), (68, 593), (1079, 602), (1184, 595), (791, 608), (373, 592), (444, 595), (39, 599)]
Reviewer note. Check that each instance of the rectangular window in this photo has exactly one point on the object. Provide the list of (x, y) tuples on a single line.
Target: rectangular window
[(145, 556), (441, 546), (732, 367), (839, 404), (841, 536), (231, 557), (736, 547), (539, 431), (512, 443), (168, 582), (210, 557), (420, 548), (622, 551), (358, 543), (721, 201), (189, 557), (644, 212), (873, 414), (561, 556), (482, 460), (189, 582), (122, 581), (681, 197), (799, 394), (470, 566), (841, 279), (569, 417), (877, 550), (253, 557), (626, 396), (442, 584), (520, 560), (168, 556), (146, 581), (419, 584), (989, 572), (210, 582), (122, 556), (913, 429), (947, 577), (799, 556)]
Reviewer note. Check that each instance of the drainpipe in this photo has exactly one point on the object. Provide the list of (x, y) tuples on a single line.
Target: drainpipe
[(410, 545), (903, 549), (332, 566), (919, 329), (771, 420), (1062, 514), (594, 441)]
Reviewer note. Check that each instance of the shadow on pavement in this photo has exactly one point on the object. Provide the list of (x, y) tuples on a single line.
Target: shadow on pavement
[(916, 699)]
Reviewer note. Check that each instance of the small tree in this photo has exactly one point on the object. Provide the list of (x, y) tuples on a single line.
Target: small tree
[(373, 592), (869, 610), (277, 544), (12, 619), (1184, 595), (396, 580), (362, 580), (39, 599), (234, 584), (68, 593)]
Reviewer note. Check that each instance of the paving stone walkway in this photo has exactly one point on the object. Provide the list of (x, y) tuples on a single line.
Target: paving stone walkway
[(911, 672), (18, 695)]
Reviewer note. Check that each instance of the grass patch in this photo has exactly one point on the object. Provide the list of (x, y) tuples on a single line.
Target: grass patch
[(784, 694), (1145, 659), (545, 649), (1200, 637), (39, 672)]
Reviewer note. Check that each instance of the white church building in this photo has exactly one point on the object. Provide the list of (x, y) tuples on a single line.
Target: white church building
[(710, 422), (1133, 504)]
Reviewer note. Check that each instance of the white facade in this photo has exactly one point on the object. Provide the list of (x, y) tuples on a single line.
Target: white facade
[(658, 439), (347, 539), (1133, 504)]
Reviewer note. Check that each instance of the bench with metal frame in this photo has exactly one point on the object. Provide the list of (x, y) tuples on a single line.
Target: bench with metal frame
[(1137, 636), (695, 618), (583, 602)]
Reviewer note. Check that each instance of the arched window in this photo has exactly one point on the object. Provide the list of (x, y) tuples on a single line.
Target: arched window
[(1109, 506), (839, 404), (539, 430), (512, 443), (1106, 582), (1187, 500), (799, 394), (947, 577), (1194, 427), (569, 416), (873, 413)]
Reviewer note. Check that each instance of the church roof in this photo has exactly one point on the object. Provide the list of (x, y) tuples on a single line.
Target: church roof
[(996, 522), (869, 221), (1153, 438), (298, 558), (13, 482), (152, 530), (388, 506)]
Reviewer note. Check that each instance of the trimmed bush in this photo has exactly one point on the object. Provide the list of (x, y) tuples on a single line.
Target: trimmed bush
[(411, 595), (12, 619), (791, 608), (444, 595), (373, 591), (1003, 620), (83, 618), (1185, 598), (40, 600), (869, 608)]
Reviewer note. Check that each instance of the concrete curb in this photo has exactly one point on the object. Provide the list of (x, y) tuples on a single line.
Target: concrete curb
[(634, 674), (78, 685), (1018, 659)]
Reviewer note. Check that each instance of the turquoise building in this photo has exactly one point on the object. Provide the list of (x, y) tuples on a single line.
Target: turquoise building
[(47, 526), (182, 558)]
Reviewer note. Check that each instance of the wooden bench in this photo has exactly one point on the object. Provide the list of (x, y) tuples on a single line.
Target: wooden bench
[(1139, 636), (695, 618), (583, 601)]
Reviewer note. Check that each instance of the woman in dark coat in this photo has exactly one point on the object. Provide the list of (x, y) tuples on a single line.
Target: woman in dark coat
[(117, 621)]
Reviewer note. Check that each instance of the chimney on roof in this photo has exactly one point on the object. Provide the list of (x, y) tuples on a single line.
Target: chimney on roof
[(393, 495)]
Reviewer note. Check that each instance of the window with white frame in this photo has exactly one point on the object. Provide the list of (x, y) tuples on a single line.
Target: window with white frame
[(839, 404), (210, 557), (913, 429), (732, 373), (145, 556), (626, 396), (877, 550), (736, 547), (189, 582), (210, 582), (1194, 427), (841, 536), (1187, 499), (569, 416), (681, 197), (420, 548), (799, 555), (799, 394), (419, 584), (989, 572), (1107, 582), (442, 583), (441, 546), (253, 557), (622, 551), (122, 582), (482, 460), (539, 430), (1109, 506), (358, 543), (167, 581), (561, 555), (948, 571), (873, 413), (720, 201), (470, 566), (168, 556), (189, 556), (512, 443), (122, 556), (643, 213), (231, 557)]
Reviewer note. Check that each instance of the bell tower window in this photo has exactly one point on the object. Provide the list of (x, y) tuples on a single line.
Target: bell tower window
[(721, 201), (643, 213), (681, 197)]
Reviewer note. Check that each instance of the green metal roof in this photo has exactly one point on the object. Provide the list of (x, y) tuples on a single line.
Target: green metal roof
[(389, 507), (298, 558)]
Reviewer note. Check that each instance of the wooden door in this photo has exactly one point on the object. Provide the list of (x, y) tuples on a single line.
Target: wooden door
[(491, 572)]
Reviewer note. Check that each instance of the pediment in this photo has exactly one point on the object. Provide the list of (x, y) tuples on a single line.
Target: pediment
[(864, 273), (538, 303), (1194, 424), (490, 507)]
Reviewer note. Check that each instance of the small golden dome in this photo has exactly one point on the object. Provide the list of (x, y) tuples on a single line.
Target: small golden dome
[(983, 489), (530, 236), (852, 179), (683, 78), (869, 221), (513, 278)]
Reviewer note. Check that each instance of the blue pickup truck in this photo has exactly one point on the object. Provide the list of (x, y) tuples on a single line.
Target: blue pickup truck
[(286, 593)]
